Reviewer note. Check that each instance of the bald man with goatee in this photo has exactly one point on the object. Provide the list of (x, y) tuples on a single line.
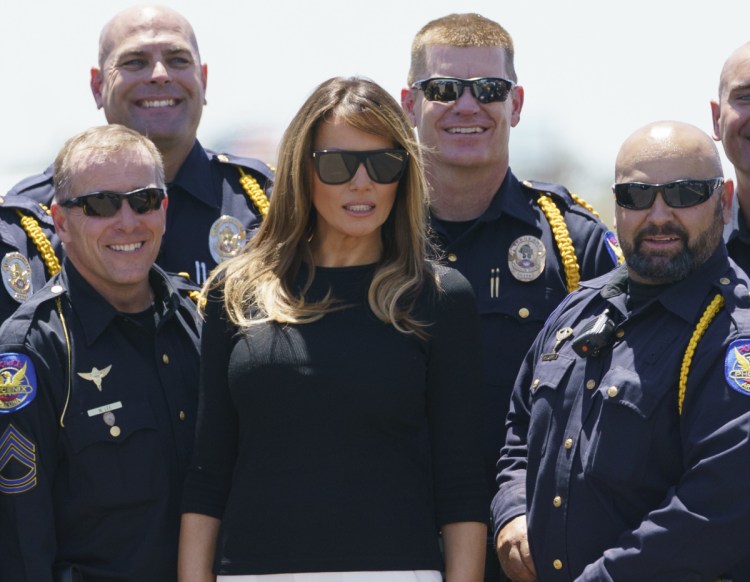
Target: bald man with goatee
[(629, 430)]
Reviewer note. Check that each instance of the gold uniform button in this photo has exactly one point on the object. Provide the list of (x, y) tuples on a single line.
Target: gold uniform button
[(182, 415), (620, 333), (557, 564), (724, 281), (114, 431), (535, 383), (612, 391), (523, 313), (591, 384), (568, 443), (2, 200), (222, 158), (557, 501), (452, 257), (165, 358)]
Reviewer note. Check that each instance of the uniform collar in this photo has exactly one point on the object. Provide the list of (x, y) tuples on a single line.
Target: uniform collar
[(685, 298), (98, 313), (194, 177), (511, 199)]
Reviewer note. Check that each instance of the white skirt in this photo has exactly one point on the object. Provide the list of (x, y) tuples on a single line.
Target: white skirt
[(389, 576)]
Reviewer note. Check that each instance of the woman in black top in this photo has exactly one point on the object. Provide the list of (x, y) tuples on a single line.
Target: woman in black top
[(339, 405)]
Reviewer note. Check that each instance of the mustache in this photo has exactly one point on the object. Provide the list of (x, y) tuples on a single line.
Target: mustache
[(661, 230)]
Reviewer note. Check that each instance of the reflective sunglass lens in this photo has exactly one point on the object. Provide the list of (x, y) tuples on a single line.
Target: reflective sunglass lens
[(490, 90), (485, 90), (106, 204), (442, 90), (678, 194)]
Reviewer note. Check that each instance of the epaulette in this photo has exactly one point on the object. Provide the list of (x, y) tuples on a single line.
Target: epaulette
[(27, 205), (253, 164), (29, 186), (561, 195), (257, 193), (23, 317)]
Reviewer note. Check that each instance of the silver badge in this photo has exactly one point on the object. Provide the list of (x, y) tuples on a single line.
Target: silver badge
[(16, 273), (526, 258), (226, 238)]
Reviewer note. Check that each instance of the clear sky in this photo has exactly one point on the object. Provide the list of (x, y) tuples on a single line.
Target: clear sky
[(593, 71)]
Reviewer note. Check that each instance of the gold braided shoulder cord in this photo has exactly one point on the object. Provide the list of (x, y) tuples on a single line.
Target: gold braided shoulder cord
[(41, 242), (705, 320), (562, 240), (581, 202), (70, 360), (254, 192)]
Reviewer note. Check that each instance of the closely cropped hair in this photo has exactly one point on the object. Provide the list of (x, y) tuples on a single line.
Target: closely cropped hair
[(459, 30), (259, 283), (96, 146)]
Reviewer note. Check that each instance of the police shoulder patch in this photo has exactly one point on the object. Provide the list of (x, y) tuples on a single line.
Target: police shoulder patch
[(17, 462), (18, 384), (613, 248), (737, 366)]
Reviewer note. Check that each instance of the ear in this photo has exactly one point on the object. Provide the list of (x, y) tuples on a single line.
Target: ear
[(204, 80), (408, 104), (715, 115), (727, 193), (164, 204), (60, 220), (517, 103), (96, 86)]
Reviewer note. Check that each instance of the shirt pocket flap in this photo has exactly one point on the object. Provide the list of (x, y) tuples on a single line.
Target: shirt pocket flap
[(115, 426)]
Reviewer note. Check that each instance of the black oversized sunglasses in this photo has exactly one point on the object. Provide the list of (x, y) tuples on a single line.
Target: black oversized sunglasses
[(339, 166), (106, 204), (677, 194), (484, 89)]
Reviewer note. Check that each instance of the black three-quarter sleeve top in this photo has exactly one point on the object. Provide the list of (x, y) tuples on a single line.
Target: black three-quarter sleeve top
[(342, 444)]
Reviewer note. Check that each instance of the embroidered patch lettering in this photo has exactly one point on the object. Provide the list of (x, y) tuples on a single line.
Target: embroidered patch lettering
[(17, 382), (737, 366), (17, 462)]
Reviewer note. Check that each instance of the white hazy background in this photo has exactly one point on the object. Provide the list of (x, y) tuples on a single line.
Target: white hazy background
[(593, 71)]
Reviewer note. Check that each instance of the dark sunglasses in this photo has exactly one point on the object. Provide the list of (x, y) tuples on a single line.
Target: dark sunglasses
[(484, 89), (106, 204), (339, 166), (677, 194)]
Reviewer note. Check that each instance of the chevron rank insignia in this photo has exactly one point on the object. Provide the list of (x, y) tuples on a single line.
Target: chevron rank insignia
[(17, 462), (737, 366), (17, 382)]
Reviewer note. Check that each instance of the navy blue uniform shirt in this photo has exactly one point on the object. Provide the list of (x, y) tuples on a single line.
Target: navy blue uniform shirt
[(512, 311), (207, 187), (616, 484), (102, 491), (22, 269)]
